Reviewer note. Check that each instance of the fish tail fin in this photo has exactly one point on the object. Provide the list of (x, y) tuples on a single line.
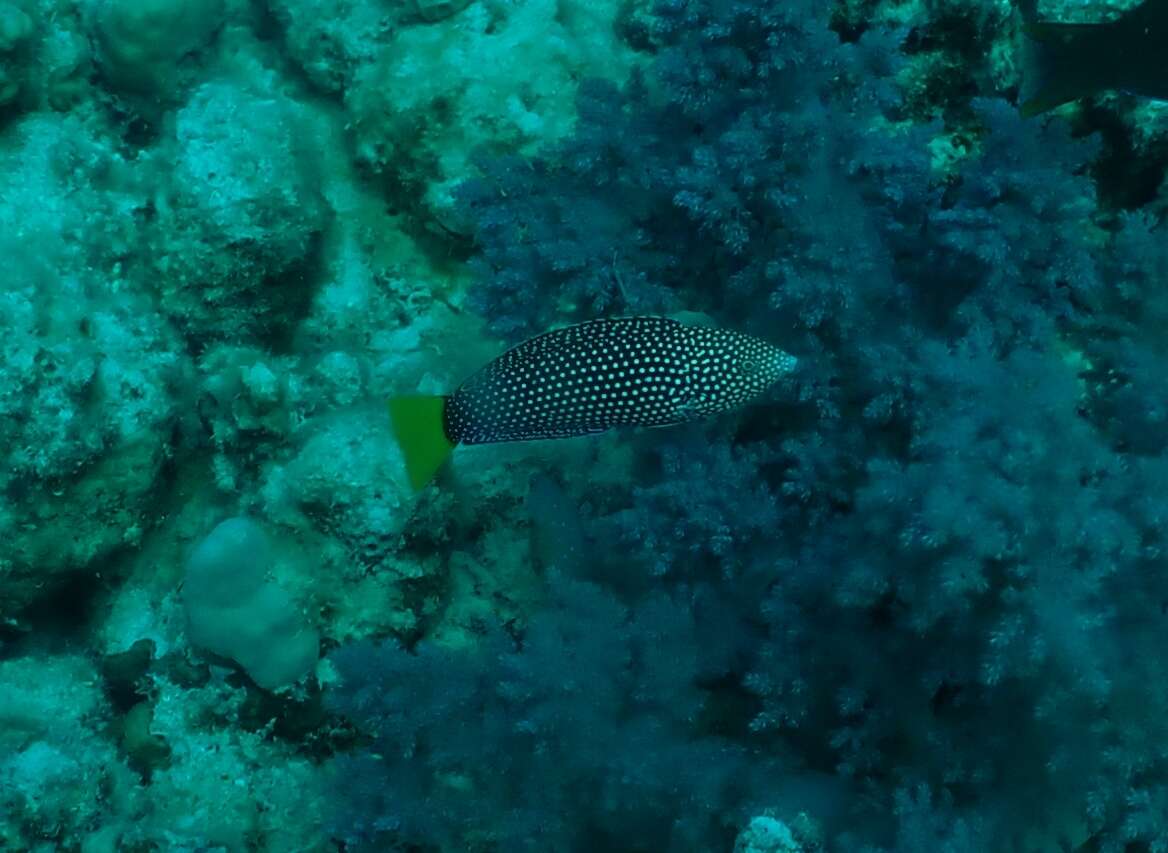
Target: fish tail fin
[(418, 424), (1058, 65)]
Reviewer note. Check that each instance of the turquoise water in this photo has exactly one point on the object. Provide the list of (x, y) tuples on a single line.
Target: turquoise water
[(883, 571)]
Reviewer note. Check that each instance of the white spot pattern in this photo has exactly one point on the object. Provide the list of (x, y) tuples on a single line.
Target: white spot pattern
[(638, 371)]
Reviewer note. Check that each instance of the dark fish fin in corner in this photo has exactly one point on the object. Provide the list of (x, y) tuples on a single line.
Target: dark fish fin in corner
[(1058, 65)]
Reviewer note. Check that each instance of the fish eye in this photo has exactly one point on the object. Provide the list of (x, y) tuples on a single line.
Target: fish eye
[(749, 366)]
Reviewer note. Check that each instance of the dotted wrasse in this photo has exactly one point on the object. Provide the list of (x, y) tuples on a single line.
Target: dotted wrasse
[(583, 379)]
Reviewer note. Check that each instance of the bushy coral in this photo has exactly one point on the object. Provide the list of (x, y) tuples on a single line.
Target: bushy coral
[(588, 732), (664, 171), (934, 572)]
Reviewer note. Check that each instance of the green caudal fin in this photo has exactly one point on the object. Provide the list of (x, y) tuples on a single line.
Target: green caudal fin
[(421, 434)]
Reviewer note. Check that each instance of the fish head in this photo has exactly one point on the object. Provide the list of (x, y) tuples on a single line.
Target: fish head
[(727, 369), (757, 365)]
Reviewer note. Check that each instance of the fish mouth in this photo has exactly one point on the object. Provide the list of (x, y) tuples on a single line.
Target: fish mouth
[(783, 363)]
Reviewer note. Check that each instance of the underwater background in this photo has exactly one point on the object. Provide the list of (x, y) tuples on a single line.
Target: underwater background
[(913, 601)]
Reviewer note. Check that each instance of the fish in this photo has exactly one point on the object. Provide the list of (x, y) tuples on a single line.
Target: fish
[(1064, 62), (586, 379)]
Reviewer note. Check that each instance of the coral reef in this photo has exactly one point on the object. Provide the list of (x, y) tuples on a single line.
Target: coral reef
[(913, 601)]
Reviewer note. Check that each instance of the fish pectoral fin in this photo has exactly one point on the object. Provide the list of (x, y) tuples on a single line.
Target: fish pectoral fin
[(691, 405)]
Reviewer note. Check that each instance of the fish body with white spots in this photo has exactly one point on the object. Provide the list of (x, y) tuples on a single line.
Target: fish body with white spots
[(588, 378)]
